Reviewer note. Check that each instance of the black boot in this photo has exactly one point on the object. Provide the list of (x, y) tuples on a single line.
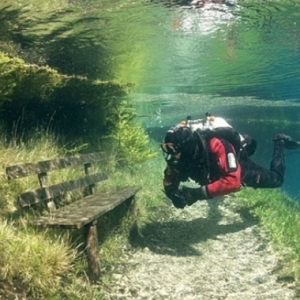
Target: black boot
[(289, 143)]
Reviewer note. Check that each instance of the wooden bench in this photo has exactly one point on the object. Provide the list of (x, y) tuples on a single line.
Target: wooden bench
[(82, 213)]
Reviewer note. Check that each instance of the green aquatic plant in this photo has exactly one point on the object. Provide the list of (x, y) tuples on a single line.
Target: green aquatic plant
[(22, 81), (130, 140), (39, 96)]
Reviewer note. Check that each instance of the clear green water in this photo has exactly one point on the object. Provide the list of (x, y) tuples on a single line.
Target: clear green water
[(237, 60), (240, 62)]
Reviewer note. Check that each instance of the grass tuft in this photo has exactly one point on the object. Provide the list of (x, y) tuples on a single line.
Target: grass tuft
[(280, 216), (33, 260)]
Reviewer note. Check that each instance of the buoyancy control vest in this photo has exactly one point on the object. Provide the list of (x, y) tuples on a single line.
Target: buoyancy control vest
[(203, 130)]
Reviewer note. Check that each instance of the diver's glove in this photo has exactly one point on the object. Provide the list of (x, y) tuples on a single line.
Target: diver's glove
[(192, 195), (175, 195)]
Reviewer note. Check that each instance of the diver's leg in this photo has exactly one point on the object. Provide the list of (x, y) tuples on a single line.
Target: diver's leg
[(256, 176)]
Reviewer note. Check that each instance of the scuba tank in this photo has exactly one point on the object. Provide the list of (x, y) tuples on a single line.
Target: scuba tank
[(212, 126), (210, 122)]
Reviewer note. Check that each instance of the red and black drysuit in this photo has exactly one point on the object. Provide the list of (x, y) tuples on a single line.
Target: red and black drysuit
[(224, 174)]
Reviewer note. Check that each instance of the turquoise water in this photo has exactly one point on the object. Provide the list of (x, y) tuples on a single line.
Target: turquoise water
[(258, 117), (236, 59)]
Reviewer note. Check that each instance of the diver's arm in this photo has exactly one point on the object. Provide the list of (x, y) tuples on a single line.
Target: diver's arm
[(171, 184)]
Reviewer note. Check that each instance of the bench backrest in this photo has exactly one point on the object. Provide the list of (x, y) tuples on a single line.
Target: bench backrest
[(48, 192)]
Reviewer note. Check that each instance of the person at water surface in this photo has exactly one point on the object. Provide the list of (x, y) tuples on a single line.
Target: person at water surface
[(201, 3), (216, 158)]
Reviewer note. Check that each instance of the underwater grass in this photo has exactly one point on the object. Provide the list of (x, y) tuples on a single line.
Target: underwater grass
[(48, 265), (33, 261), (280, 216)]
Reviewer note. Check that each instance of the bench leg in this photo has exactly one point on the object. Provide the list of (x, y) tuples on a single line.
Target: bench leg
[(92, 251), (134, 230)]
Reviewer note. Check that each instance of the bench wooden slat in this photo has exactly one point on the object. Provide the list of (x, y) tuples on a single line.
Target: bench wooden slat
[(84, 211), (43, 194), (23, 170)]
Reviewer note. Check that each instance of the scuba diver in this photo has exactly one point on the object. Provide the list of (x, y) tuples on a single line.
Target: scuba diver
[(215, 156)]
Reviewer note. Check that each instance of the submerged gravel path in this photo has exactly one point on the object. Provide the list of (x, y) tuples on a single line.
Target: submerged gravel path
[(211, 250)]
